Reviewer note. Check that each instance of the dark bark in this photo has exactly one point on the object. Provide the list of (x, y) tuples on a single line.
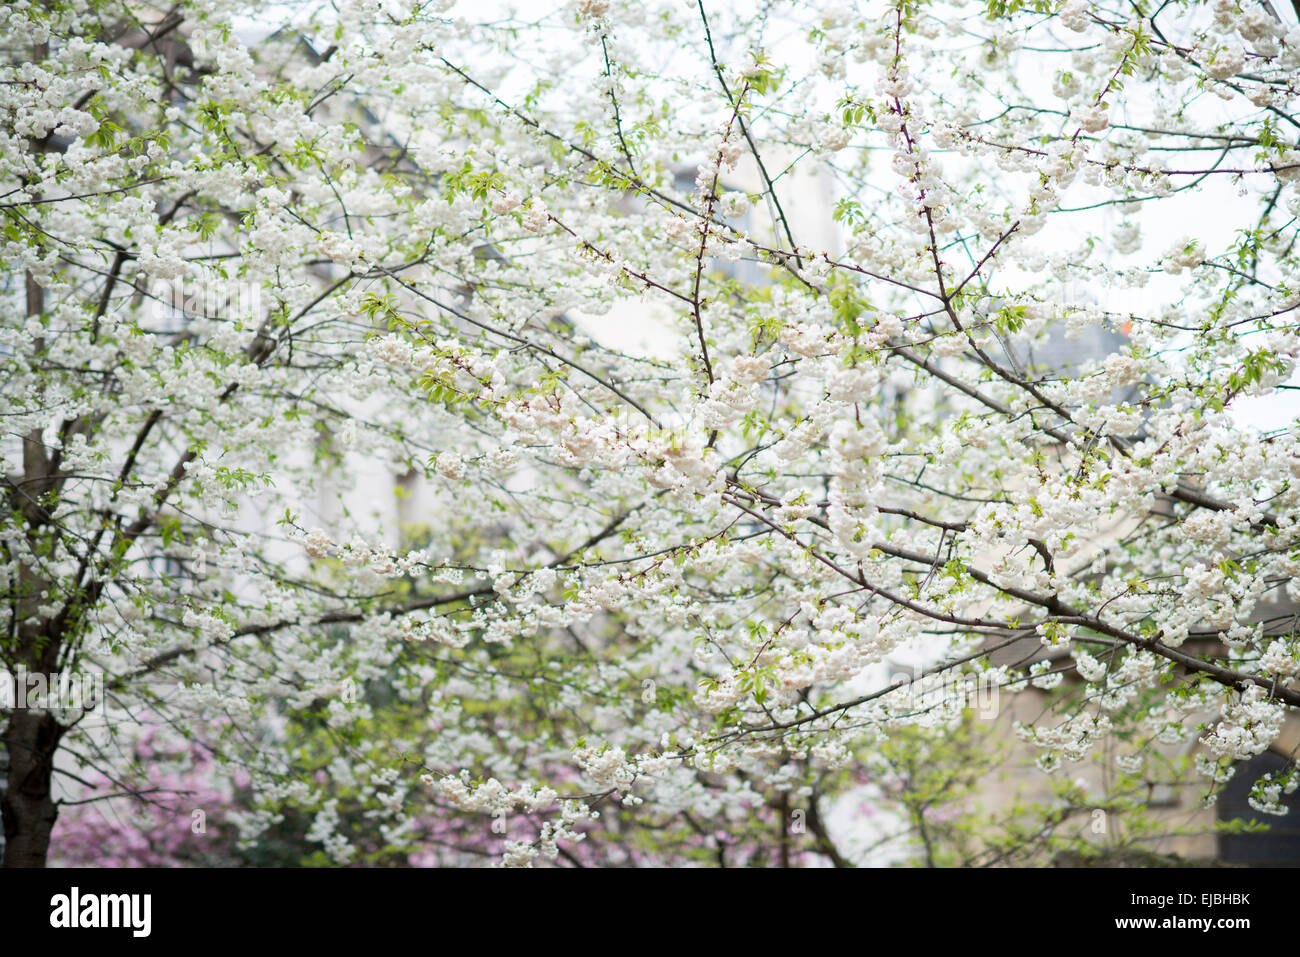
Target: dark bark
[(27, 804), (824, 843)]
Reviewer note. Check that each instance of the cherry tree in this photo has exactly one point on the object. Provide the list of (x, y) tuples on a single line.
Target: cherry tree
[(703, 358)]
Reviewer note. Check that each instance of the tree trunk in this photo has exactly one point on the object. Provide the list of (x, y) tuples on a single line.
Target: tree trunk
[(27, 804), (32, 735)]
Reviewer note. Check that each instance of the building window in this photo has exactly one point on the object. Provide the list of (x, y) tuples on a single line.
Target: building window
[(1279, 846)]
